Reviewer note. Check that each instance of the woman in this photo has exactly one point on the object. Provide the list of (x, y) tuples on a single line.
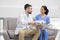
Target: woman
[(43, 16)]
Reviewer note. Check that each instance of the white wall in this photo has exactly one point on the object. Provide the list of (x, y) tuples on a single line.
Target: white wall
[(12, 8)]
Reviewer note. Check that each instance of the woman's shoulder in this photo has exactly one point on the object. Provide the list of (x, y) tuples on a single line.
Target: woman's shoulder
[(47, 16), (38, 14)]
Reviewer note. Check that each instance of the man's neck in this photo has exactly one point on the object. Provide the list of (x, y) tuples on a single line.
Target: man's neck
[(27, 13)]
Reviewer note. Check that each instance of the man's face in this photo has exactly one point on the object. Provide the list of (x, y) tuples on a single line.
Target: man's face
[(29, 9)]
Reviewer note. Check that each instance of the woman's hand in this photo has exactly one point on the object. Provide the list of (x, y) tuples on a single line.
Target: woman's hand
[(40, 26)]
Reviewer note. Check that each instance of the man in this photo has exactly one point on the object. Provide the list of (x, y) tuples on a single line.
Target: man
[(23, 23)]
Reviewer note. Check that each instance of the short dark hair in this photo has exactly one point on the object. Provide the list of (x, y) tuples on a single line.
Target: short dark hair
[(26, 6)]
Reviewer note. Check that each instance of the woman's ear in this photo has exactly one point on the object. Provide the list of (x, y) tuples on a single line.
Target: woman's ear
[(45, 10)]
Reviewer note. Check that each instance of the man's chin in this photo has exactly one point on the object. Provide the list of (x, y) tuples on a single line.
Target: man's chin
[(30, 13)]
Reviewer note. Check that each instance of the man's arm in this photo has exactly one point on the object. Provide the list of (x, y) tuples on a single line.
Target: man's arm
[(22, 21)]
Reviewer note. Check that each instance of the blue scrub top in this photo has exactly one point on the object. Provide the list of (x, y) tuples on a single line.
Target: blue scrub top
[(46, 18)]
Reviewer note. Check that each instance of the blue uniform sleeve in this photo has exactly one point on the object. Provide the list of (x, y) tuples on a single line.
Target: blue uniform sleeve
[(36, 18), (48, 20)]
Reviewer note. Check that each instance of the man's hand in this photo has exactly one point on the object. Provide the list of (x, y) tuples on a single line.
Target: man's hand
[(32, 23), (39, 26)]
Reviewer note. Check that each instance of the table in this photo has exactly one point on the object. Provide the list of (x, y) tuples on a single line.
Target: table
[(56, 26), (58, 36)]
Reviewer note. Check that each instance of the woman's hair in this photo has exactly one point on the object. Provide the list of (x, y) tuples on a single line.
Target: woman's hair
[(45, 8)]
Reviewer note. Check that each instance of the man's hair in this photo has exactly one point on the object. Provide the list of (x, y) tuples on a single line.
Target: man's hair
[(27, 5)]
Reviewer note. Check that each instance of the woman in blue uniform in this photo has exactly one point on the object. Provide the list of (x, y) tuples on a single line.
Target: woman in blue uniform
[(43, 15)]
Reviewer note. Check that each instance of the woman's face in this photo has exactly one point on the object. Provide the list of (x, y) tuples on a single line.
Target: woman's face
[(42, 10)]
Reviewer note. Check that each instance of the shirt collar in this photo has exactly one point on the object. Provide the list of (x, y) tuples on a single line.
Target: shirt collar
[(27, 14)]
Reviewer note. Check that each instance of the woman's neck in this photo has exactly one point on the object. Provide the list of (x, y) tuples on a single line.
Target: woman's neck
[(43, 15)]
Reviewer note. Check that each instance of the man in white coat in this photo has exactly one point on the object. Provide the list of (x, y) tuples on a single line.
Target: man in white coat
[(23, 23)]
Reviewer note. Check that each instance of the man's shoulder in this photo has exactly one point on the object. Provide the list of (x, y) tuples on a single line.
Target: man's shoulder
[(21, 15)]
